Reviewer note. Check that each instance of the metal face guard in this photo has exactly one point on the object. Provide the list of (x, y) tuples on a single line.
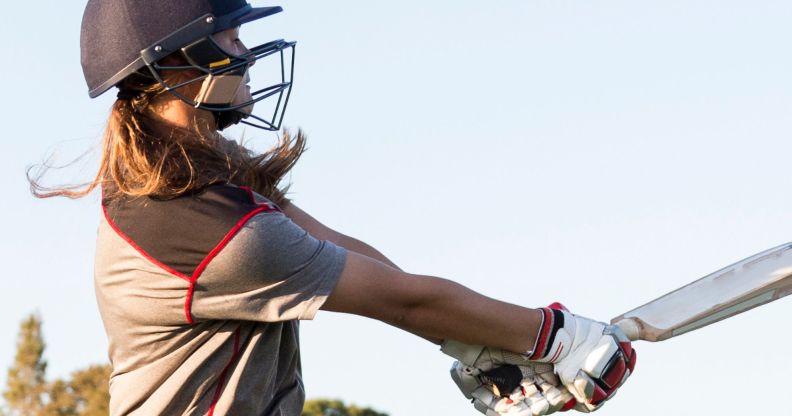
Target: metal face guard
[(222, 75)]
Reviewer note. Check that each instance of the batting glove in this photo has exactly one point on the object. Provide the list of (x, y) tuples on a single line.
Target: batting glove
[(501, 383), (591, 358)]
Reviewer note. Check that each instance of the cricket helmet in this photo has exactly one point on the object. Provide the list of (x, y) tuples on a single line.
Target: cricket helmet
[(121, 37)]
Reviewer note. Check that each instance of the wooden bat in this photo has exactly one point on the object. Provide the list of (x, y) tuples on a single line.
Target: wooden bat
[(755, 281)]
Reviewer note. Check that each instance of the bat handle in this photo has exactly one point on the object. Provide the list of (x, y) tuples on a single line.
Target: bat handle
[(631, 328)]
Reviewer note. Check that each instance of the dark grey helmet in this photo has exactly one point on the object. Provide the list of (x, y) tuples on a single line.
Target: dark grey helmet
[(121, 37)]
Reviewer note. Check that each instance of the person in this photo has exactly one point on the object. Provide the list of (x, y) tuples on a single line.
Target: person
[(204, 267)]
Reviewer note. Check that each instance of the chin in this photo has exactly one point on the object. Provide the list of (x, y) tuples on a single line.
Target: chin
[(244, 99)]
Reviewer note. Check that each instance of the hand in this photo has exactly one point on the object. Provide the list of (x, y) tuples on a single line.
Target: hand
[(503, 383), (592, 359)]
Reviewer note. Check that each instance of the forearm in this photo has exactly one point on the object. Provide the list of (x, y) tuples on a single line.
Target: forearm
[(360, 247), (431, 306), (449, 310)]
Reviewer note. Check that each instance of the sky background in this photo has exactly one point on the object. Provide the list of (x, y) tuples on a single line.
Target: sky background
[(597, 153)]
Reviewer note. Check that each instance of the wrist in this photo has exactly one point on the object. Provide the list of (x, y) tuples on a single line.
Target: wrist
[(548, 345)]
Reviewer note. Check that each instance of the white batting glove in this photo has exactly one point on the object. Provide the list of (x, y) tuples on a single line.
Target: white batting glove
[(501, 383), (592, 359)]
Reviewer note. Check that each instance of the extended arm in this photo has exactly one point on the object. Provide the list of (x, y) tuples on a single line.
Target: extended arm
[(594, 359), (433, 306)]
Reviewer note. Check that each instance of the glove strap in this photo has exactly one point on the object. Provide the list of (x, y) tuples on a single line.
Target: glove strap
[(552, 321)]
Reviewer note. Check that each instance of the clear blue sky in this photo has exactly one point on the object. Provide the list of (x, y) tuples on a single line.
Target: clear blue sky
[(595, 153)]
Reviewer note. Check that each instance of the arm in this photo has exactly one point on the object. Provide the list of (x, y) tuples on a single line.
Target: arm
[(593, 359), (323, 232), (433, 306)]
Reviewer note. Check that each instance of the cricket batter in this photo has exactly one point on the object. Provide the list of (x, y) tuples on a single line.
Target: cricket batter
[(204, 268)]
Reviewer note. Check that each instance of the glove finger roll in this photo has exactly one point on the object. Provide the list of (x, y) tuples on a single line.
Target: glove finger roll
[(613, 374), (587, 391), (534, 399), (600, 357), (558, 398)]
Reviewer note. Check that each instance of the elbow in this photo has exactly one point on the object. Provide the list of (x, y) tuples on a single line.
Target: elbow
[(410, 306), (404, 317)]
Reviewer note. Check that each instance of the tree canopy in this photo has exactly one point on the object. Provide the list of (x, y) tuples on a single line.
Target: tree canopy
[(28, 393), (26, 385), (336, 408)]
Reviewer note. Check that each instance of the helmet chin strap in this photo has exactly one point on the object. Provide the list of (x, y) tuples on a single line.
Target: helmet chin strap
[(226, 119)]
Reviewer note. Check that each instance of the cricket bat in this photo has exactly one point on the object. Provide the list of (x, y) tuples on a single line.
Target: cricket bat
[(755, 281), (732, 290)]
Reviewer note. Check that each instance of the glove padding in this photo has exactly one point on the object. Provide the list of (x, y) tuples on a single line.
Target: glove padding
[(501, 383), (592, 359)]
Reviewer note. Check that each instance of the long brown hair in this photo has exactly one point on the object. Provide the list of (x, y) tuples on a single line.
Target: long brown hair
[(138, 159)]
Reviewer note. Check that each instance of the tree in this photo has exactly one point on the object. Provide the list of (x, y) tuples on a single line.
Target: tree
[(87, 393), (91, 388), (28, 393), (61, 402), (26, 384), (336, 408)]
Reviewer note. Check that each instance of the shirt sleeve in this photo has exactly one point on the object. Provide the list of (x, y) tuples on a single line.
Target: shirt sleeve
[(271, 270)]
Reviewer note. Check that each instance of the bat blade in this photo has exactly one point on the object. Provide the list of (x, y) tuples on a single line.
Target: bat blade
[(755, 281)]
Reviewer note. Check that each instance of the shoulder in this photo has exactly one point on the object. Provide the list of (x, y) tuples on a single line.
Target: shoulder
[(181, 232)]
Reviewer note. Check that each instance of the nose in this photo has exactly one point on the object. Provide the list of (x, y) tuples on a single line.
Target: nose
[(244, 49), (245, 52)]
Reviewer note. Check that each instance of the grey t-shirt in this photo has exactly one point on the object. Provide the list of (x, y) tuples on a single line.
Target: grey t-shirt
[(200, 298)]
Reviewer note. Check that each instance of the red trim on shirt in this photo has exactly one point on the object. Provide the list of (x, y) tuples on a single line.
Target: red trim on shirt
[(140, 250), (221, 380), (261, 208), (212, 254)]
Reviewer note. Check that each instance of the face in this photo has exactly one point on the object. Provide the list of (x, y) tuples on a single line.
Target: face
[(230, 42)]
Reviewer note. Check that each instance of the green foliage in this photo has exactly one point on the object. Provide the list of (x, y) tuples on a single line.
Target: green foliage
[(26, 383), (87, 393), (336, 408), (91, 388), (61, 401), (29, 394)]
